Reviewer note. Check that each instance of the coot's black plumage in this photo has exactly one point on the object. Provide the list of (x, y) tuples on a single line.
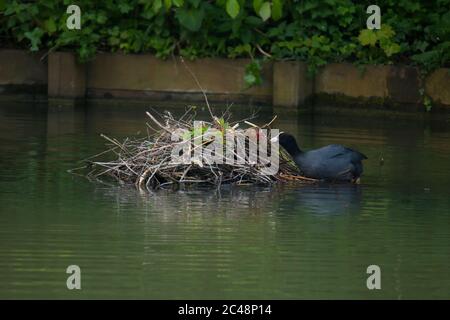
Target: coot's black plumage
[(332, 163)]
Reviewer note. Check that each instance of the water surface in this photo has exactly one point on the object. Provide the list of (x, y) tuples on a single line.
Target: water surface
[(286, 242)]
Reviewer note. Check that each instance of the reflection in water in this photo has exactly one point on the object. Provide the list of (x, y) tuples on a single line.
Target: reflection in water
[(288, 241), (324, 198), (328, 199)]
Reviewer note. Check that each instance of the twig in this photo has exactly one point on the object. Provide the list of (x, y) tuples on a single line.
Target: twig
[(198, 84)]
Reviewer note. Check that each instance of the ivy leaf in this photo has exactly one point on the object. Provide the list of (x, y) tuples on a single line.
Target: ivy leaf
[(252, 74), (249, 79), (367, 37), (113, 41), (168, 4), (233, 8), (253, 21), (257, 5), (264, 11), (35, 38), (431, 56), (427, 103), (195, 3), (277, 9), (50, 25), (385, 32), (391, 48), (240, 50), (190, 18), (157, 4), (124, 7), (101, 18), (421, 45)]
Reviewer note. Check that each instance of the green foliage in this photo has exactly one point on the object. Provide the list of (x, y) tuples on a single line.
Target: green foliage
[(381, 41), (264, 11), (427, 103), (367, 37), (35, 38), (277, 9), (318, 32), (223, 124), (253, 73), (426, 100), (190, 18), (233, 8)]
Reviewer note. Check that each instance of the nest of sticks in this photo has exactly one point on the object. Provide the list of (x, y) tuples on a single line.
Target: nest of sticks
[(147, 162)]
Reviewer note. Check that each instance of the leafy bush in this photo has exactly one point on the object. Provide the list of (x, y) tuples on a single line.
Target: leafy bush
[(316, 31)]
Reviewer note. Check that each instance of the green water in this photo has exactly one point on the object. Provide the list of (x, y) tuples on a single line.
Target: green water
[(288, 242)]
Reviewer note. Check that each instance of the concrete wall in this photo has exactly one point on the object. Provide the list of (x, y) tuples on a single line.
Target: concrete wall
[(350, 81), (387, 85), (437, 86), (285, 84), (291, 85), (66, 77), (22, 71), (116, 75)]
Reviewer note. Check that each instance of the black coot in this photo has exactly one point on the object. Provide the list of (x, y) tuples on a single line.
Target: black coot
[(332, 163)]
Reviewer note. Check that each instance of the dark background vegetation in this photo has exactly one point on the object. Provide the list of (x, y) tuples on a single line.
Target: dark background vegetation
[(413, 32)]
